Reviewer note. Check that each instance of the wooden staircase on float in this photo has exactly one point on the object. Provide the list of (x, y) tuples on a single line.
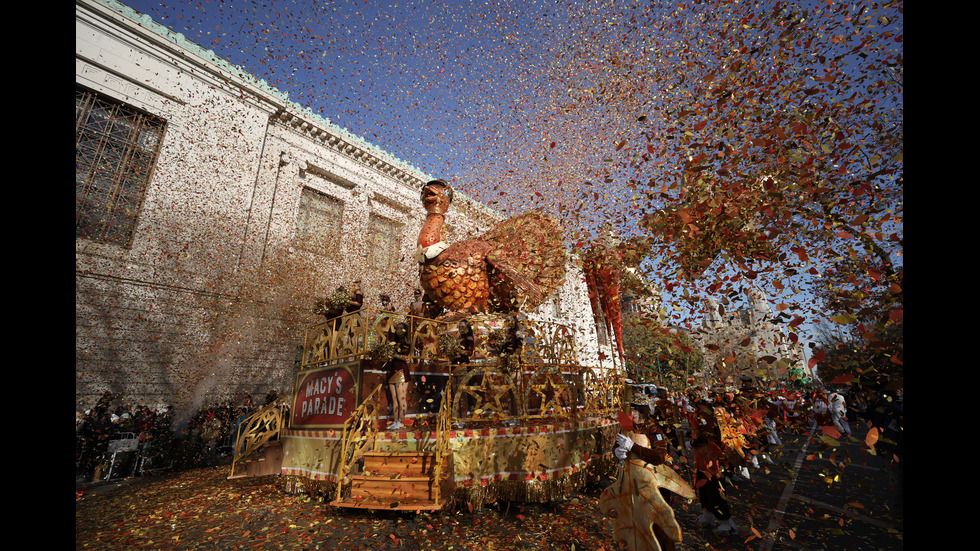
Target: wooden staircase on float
[(395, 481), (266, 460)]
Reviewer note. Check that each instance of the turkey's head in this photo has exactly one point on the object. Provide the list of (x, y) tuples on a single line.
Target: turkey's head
[(436, 196)]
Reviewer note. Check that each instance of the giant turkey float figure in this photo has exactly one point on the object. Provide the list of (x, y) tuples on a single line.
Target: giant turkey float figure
[(514, 266), (503, 410)]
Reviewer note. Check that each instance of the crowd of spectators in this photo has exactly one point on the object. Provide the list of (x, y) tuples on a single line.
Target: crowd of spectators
[(158, 438)]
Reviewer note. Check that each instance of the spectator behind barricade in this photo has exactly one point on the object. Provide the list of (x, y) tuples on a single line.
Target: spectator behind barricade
[(126, 423), (157, 439), (385, 302), (104, 405), (210, 437), (92, 441)]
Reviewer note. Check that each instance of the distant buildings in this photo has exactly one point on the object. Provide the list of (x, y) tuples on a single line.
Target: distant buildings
[(747, 343)]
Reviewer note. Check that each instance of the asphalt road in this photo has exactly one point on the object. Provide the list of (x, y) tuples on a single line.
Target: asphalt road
[(817, 495)]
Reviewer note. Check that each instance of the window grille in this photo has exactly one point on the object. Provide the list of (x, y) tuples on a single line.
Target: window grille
[(385, 237), (319, 224), (116, 147)]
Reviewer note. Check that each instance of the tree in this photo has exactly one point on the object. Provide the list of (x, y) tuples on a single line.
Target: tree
[(663, 355), (773, 149), (861, 359)]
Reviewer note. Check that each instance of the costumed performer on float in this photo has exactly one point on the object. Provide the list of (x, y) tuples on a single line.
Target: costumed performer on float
[(399, 375)]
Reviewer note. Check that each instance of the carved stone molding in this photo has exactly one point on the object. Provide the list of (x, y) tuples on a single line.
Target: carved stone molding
[(340, 145)]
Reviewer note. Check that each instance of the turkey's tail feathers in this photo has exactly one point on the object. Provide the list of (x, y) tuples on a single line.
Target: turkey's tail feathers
[(529, 257)]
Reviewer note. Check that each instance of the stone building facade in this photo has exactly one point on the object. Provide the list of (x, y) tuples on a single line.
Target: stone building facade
[(211, 211)]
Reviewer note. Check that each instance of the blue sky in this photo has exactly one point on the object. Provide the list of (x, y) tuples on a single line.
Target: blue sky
[(415, 78), (493, 95), (499, 97), (507, 99)]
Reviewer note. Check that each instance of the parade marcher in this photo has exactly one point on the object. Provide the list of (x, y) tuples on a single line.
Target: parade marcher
[(643, 423), (752, 412), (732, 431), (773, 411), (821, 410), (712, 461), (838, 412), (647, 443), (791, 410), (709, 464)]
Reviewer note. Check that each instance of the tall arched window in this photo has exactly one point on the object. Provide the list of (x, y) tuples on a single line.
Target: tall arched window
[(116, 147)]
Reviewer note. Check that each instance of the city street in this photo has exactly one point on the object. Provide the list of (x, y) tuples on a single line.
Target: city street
[(814, 497)]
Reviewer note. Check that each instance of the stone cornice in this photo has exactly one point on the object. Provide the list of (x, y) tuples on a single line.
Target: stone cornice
[(347, 147)]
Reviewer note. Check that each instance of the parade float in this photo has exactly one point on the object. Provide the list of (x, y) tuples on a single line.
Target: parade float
[(500, 406)]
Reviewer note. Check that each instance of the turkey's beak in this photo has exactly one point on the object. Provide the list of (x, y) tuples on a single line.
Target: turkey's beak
[(430, 195)]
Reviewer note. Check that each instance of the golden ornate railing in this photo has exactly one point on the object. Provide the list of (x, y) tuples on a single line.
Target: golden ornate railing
[(258, 429), (543, 380), (360, 430), (356, 334), (549, 344)]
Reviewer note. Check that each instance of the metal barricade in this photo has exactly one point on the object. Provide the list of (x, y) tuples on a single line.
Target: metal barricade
[(124, 443)]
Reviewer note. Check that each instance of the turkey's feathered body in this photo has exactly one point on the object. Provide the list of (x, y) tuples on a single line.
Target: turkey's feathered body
[(514, 266), (457, 278)]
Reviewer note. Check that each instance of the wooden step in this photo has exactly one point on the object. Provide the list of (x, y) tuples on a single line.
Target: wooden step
[(390, 488), (264, 461), (412, 464), (393, 480), (394, 505)]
